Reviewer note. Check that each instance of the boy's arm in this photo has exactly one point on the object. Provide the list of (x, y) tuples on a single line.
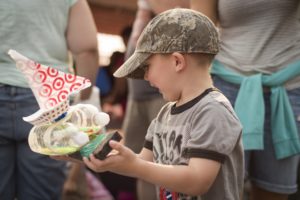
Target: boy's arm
[(193, 179), (146, 154), (207, 7)]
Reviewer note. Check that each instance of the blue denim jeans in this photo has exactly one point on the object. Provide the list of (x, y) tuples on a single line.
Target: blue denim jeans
[(24, 174), (262, 167)]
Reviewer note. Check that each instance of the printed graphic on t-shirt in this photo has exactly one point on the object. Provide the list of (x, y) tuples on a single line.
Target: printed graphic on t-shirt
[(168, 147), (164, 194)]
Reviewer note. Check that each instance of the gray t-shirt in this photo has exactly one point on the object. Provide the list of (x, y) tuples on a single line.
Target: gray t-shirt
[(205, 127), (259, 36)]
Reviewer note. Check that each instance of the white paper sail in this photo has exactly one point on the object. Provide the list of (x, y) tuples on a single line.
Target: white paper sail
[(50, 87)]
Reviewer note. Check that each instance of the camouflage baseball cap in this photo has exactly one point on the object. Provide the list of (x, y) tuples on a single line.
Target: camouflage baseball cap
[(175, 30)]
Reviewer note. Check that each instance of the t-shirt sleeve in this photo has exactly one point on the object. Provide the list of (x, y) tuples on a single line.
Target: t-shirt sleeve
[(215, 131)]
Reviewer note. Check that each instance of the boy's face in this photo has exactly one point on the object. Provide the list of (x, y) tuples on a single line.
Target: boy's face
[(160, 72)]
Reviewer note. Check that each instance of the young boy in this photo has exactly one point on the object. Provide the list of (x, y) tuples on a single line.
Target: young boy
[(193, 148)]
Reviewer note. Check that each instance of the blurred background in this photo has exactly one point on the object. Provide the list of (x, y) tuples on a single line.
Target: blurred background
[(111, 17)]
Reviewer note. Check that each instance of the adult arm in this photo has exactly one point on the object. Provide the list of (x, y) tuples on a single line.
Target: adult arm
[(82, 43), (207, 7), (143, 16), (163, 5)]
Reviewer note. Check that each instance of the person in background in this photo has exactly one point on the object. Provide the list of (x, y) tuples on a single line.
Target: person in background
[(258, 69), (144, 101), (113, 93), (114, 102), (45, 31), (193, 148), (84, 185)]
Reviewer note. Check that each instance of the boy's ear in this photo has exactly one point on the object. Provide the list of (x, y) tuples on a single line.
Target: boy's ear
[(180, 62)]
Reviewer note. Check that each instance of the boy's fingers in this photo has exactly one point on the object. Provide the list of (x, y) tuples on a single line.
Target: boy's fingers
[(86, 161), (97, 162), (93, 158), (117, 146), (89, 163)]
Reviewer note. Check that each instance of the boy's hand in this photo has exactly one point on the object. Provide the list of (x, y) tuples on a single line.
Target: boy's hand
[(121, 161)]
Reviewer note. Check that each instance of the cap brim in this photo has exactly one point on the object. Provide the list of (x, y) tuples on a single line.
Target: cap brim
[(132, 67)]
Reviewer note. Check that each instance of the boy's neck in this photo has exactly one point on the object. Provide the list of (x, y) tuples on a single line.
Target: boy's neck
[(195, 84)]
